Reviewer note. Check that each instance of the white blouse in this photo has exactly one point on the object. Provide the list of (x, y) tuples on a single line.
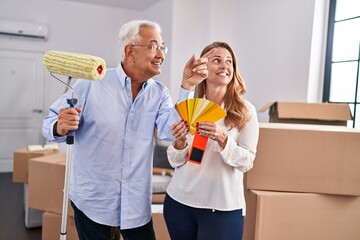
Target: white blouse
[(216, 183)]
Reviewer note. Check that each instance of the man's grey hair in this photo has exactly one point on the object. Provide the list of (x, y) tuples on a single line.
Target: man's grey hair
[(129, 33)]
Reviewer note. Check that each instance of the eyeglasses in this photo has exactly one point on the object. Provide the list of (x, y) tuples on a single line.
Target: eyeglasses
[(155, 48)]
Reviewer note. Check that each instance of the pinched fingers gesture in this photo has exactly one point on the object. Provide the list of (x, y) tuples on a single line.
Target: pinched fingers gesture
[(195, 70)]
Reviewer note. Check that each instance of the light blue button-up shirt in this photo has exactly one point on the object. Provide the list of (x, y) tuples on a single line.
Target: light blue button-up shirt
[(113, 150)]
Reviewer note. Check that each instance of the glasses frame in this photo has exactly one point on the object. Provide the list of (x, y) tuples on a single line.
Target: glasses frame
[(153, 47)]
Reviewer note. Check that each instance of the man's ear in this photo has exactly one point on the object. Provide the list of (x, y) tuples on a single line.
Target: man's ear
[(129, 53)]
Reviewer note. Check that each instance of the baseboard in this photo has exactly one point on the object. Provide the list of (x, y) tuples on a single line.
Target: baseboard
[(6, 165)]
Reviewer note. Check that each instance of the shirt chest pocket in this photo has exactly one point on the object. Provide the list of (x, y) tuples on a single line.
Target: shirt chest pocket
[(144, 124)]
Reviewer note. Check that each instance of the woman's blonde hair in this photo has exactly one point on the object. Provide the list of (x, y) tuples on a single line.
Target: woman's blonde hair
[(237, 113)]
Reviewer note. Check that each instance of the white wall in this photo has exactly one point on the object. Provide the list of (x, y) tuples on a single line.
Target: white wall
[(272, 39), (190, 33), (162, 14), (77, 27), (74, 27)]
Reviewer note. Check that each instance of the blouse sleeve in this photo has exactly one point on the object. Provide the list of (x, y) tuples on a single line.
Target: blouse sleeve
[(177, 157), (240, 152)]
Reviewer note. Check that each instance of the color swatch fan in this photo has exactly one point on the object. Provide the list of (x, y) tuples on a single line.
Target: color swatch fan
[(195, 110)]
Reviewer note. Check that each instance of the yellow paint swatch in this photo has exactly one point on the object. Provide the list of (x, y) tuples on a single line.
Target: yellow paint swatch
[(195, 110)]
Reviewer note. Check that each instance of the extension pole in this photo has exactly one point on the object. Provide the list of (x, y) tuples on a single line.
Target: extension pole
[(69, 141), (66, 192)]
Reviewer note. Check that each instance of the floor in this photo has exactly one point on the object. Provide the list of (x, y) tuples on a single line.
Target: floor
[(12, 214)]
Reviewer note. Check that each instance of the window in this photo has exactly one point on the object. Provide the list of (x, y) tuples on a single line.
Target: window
[(341, 83)]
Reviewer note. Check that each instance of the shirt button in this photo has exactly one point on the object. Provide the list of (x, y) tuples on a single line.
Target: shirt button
[(124, 182)]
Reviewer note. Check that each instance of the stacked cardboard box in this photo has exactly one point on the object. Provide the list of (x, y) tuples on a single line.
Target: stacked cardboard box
[(33, 217), (21, 162), (52, 225), (160, 228), (308, 113), (46, 183), (305, 183)]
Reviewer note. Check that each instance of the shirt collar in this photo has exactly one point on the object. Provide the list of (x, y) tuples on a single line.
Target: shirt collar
[(121, 75), (124, 79)]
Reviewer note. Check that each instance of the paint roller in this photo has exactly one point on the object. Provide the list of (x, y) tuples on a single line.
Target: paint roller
[(74, 65), (77, 66)]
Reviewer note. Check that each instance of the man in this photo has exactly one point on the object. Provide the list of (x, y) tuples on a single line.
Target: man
[(114, 122)]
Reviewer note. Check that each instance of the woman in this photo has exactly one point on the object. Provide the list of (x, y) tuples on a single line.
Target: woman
[(206, 201)]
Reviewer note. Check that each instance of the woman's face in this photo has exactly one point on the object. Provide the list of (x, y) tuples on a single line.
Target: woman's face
[(220, 67)]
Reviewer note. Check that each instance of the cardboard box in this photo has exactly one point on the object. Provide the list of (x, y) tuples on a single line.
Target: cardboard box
[(33, 217), (46, 183), (281, 215), (306, 158), (52, 226), (308, 113), (21, 162), (159, 224), (158, 198)]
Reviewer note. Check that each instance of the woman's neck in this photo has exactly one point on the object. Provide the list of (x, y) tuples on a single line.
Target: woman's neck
[(215, 94)]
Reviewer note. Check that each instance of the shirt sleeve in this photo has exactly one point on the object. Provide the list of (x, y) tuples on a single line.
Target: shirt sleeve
[(240, 153), (184, 94), (177, 157), (167, 114), (61, 102)]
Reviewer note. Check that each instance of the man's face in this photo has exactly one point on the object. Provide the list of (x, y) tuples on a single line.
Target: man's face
[(148, 56)]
